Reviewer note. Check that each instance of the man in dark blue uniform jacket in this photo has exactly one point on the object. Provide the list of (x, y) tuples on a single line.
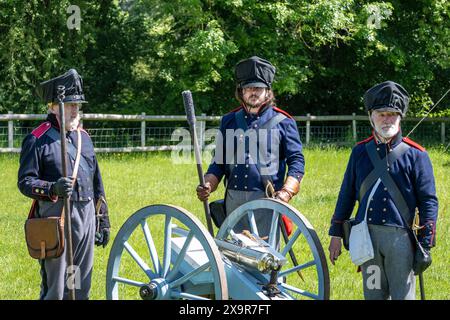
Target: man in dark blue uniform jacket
[(259, 145), (389, 275), (40, 178)]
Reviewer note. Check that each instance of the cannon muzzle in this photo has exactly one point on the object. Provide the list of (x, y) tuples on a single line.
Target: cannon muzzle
[(263, 262)]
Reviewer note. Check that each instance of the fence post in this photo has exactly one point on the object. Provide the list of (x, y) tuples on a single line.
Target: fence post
[(443, 132), (10, 132), (201, 134), (354, 127), (308, 128), (143, 130)]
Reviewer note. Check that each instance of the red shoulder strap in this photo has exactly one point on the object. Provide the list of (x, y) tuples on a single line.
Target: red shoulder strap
[(413, 144), (236, 110), (365, 140), (282, 111), (43, 128)]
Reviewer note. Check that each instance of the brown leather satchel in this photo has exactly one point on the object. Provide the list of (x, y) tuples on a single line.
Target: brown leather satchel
[(45, 236)]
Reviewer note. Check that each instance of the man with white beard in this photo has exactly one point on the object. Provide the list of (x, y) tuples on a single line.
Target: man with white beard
[(40, 178), (390, 176)]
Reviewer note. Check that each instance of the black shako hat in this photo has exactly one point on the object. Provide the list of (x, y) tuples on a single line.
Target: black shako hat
[(387, 96), (254, 72), (73, 83)]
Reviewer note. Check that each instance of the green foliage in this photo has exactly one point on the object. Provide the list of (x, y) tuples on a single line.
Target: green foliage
[(138, 55)]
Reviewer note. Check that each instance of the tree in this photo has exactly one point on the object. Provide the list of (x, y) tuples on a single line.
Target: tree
[(138, 56)]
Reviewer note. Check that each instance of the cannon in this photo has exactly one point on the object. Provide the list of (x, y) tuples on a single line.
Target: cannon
[(186, 262), (165, 252)]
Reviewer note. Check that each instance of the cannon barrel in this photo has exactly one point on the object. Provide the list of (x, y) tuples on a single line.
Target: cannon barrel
[(263, 262)]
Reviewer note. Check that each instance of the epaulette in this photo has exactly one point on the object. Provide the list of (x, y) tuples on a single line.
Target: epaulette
[(365, 140), (43, 128), (413, 144), (283, 112)]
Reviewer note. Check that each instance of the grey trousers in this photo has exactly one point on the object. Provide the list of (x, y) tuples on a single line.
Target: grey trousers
[(389, 274), (57, 278), (263, 217)]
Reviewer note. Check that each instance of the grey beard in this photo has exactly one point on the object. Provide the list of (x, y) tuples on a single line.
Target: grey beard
[(73, 124), (386, 136), (382, 135)]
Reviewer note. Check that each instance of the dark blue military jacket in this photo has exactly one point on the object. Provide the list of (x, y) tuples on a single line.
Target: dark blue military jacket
[(246, 176), (40, 165), (413, 174)]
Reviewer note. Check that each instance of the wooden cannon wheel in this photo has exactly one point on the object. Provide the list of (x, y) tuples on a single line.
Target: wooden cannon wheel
[(314, 280), (143, 263)]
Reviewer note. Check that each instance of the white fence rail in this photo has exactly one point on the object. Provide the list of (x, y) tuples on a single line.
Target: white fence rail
[(340, 129)]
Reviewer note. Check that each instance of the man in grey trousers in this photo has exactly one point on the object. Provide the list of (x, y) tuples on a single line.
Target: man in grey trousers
[(40, 178), (390, 176)]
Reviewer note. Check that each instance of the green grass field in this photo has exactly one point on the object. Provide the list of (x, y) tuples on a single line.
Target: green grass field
[(133, 181)]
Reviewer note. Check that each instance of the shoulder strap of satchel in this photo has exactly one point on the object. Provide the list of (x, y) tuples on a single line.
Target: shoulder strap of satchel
[(381, 169), (393, 156), (75, 167), (266, 179), (78, 158), (74, 176), (71, 150)]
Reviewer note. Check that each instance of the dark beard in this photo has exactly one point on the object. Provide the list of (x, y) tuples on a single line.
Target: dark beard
[(254, 106)]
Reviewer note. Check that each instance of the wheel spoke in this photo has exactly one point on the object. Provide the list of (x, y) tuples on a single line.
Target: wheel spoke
[(297, 268), (139, 260), (184, 295), (273, 229), (167, 245), (180, 257), (289, 245), (252, 222), (189, 275), (287, 295), (151, 247), (303, 240), (164, 256), (299, 291), (128, 281)]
